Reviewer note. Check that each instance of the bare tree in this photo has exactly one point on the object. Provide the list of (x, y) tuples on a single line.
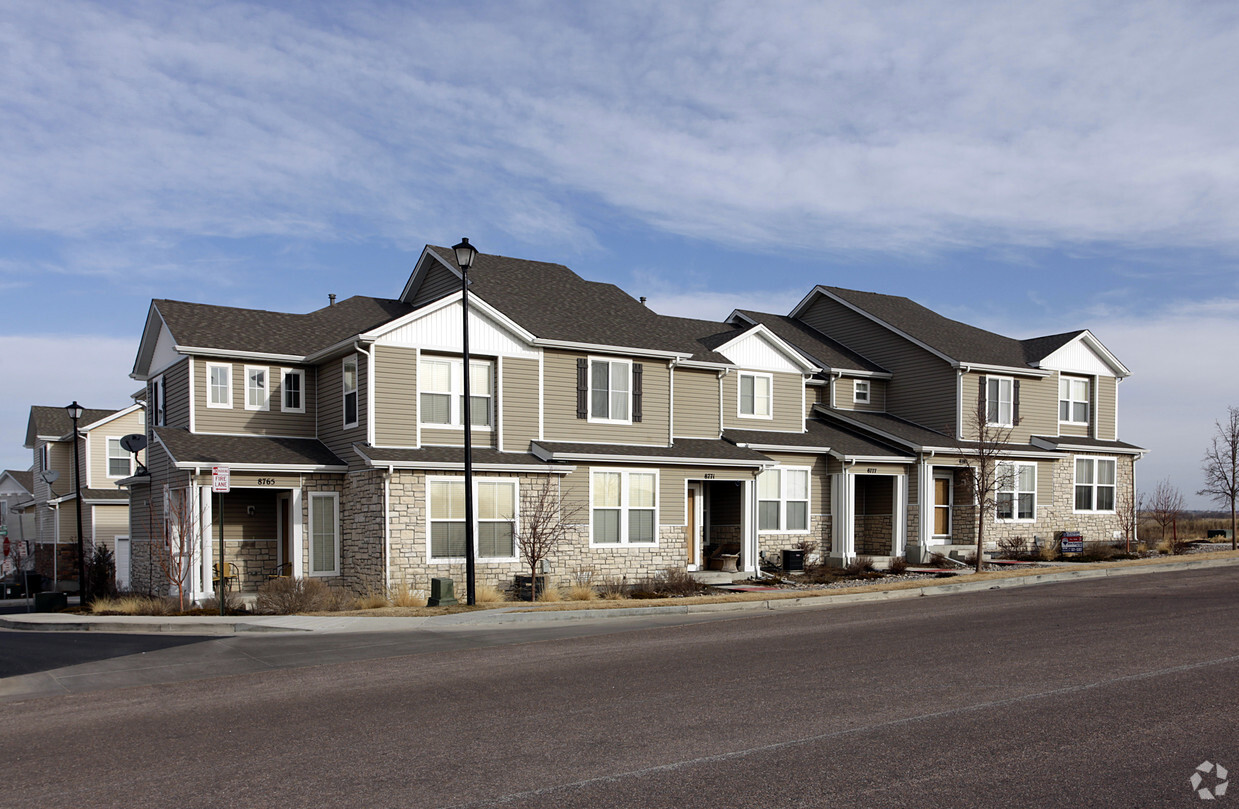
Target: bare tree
[(988, 475), (544, 522), (1164, 507), (1128, 506), (179, 533), (1221, 467)]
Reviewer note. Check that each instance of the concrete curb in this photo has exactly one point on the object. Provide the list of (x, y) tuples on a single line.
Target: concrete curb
[(60, 622)]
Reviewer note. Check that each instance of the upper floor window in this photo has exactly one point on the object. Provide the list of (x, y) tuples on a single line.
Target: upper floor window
[(350, 391), (860, 391), (219, 385), (999, 401), (610, 389), (120, 462), (442, 392), (494, 522), (157, 401), (45, 457), (292, 390), (783, 500), (623, 507), (1017, 491), (1073, 400), (257, 392), (1095, 484), (755, 395)]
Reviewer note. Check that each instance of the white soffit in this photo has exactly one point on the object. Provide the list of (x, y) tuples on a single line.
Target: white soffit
[(440, 330), (755, 351), (165, 354), (1078, 357)]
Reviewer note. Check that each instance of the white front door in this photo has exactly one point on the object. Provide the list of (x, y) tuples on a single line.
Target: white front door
[(122, 563)]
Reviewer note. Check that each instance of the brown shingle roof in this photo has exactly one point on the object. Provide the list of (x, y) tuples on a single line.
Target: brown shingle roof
[(45, 420), (24, 478), (187, 447), (811, 342), (834, 437), (685, 449)]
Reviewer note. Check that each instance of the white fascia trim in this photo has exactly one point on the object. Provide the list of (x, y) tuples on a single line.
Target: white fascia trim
[(455, 466), (261, 467), (123, 412), (611, 349), (1006, 453), (248, 355), (475, 303), (855, 459), (782, 345), (256, 435), (1005, 369), (418, 271), (710, 366), (645, 459), (1063, 447), (145, 349), (782, 448)]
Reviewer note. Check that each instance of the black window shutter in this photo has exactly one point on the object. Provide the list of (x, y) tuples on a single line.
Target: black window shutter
[(582, 388), (981, 403), (1015, 402), (636, 391)]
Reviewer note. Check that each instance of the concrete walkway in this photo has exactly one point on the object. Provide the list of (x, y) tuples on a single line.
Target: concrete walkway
[(532, 613)]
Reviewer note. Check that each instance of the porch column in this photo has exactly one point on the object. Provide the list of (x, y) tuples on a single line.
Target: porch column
[(205, 587), (294, 518), (899, 514), (843, 521), (748, 496)]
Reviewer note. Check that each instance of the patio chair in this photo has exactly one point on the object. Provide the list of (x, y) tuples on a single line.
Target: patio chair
[(281, 571), (230, 575)]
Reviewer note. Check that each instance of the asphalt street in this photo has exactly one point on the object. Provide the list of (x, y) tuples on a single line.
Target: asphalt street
[(1095, 693)]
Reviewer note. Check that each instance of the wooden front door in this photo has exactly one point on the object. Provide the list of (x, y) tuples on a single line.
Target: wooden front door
[(942, 507)]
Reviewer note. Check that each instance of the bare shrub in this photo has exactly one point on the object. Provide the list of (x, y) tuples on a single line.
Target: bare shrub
[(288, 596), (1165, 507), (1013, 547), (898, 565), (232, 605), (809, 547), (670, 583), (939, 561), (859, 566), (613, 589), (582, 575)]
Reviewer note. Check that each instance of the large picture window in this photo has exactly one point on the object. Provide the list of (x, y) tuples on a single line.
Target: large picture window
[(1095, 484), (324, 533), (755, 395), (495, 520), (1073, 400), (623, 507), (442, 392), (349, 383), (610, 390), (783, 500), (219, 385), (1017, 491)]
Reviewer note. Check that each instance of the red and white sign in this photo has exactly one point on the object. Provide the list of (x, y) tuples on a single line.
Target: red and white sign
[(221, 479)]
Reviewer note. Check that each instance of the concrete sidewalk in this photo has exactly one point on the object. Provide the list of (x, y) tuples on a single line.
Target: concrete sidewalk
[(533, 613)]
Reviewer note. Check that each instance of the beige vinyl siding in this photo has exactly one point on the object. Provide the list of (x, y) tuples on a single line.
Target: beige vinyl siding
[(109, 522), (923, 385), (819, 481), (1106, 408), (785, 403), (176, 394), (876, 469), (696, 403), (815, 395), (395, 396), (672, 492), (1045, 488), (438, 283), (456, 438), (237, 419), (559, 402), (518, 397), (98, 438), (331, 430), (239, 524), (68, 522), (845, 392), (1038, 406)]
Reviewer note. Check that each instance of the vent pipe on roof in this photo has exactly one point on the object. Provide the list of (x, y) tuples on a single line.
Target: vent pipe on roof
[(331, 299), (643, 300)]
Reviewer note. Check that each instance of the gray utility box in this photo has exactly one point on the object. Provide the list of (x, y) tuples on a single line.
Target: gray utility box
[(442, 593)]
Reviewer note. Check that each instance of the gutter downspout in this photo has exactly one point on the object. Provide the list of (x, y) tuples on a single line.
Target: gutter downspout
[(722, 373), (960, 370), (369, 391), (835, 376)]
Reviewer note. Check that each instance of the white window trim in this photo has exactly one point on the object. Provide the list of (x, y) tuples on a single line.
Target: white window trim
[(107, 458), (857, 398), (266, 375), (624, 507), (159, 392), (1095, 484), (739, 398), (950, 506), (227, 405), (1016, 492), (784, 500), (1087, 401), (516, 520), (284, 372), (45, 457), (589, 380), (1010, 380), (335, 571), (457, 392), (344, 391)]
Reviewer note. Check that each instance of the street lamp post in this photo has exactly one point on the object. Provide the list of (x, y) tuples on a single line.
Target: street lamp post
[(465, 253), (83, 590)]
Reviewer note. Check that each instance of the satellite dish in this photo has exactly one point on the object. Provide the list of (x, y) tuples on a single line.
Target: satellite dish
[(134, 442), (49, 476)]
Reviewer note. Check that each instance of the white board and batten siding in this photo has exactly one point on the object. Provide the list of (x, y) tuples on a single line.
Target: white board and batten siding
[(755, 352), (440, 330)]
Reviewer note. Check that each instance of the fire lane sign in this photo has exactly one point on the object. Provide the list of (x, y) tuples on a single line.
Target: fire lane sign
[(221, 479)]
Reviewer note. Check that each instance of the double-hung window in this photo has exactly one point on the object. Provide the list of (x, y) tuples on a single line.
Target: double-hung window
[(999, 401), (349, 384), (860, 391), (1017, 491), (783, 500), (1073, 400), (257, 390), (292, 390), (442, 392), (1095, 484), (623, 507), (119, 461), (495, 521), (610, 390), (324, 533), (219, 385), (755, 395)]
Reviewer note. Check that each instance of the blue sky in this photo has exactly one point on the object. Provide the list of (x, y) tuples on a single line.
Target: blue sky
[(1029, 168)]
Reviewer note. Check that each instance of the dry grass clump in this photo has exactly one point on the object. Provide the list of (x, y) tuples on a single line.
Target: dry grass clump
[(288, 596), (134, 605), (582, 592), (371, 600), (613, 589), (402, 595), (488, 594), (550, 595)]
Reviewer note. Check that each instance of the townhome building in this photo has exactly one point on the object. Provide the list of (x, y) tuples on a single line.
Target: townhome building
[(102, 463), (668, 442), (16, 525)]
